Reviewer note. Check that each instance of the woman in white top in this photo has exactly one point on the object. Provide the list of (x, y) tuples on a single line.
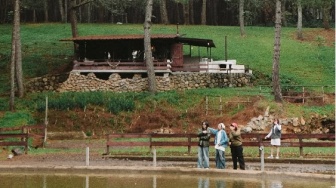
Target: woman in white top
[(275, 135)]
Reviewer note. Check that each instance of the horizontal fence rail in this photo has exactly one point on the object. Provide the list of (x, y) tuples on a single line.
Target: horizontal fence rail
[(21, 135), (17, 139), (190, 140), (301, 93)]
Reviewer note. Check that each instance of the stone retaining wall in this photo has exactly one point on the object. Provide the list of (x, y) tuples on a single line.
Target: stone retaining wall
[(46, 83), (180, 81)]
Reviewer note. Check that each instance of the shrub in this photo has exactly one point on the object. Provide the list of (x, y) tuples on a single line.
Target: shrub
[(14, 119), (116, 105)]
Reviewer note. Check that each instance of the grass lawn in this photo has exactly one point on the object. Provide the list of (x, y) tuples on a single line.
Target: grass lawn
[(305, 63)]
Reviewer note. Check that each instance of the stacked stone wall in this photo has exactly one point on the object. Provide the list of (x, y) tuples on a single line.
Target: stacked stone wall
[(46, 83), (180, 81)]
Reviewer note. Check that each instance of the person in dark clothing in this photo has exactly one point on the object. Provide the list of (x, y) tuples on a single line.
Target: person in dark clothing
[(203, 146), (236, 145)]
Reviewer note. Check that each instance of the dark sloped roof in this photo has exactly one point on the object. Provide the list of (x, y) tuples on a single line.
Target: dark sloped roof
[(189, 41), (197, 42), (119, 37)]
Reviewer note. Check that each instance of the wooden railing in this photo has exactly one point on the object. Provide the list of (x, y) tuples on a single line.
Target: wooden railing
[(292, 140), (301, 93), (189, 140), (150, 142), (21, 140), (21, 135)]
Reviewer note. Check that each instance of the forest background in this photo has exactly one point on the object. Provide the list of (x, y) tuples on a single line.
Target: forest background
[(315, 13)]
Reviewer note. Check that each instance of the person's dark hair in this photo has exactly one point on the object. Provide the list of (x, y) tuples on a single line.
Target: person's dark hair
[(277, 120), (206, 123)]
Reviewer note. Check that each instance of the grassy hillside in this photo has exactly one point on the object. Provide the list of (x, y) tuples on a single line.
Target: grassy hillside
[(307, 62)]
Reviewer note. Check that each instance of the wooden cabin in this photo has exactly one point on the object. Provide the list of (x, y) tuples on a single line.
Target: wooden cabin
[(125, 53)]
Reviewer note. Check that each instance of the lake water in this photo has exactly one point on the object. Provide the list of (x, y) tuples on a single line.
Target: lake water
[(30, 180)]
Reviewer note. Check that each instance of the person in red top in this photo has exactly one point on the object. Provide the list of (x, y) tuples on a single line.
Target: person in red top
[(236, 145)]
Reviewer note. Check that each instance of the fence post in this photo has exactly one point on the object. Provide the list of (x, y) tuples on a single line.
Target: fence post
[(107, 145), (301, 148), (220, 105), (45, 123), (303, 95), (87, 154), (189, 143), (260, 144), (262, 158), (154, 156), (323, 94), (150, 141), (23, 131), (26, 145), (206, 105)]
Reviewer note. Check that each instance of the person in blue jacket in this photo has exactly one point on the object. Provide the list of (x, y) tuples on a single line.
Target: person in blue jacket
[(221, 142)]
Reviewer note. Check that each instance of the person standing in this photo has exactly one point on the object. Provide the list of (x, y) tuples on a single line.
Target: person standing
[(221, 141), (236, 145), (275, 135), (203, 146)]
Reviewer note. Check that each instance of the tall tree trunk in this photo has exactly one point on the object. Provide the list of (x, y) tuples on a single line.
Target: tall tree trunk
[(73, 18), (299, 34), (16, 25), (80, 13), (186, 13), (241, 18), (34, 16), (66, 10), (191, 8), (126, 17), (177, 13), (102, 13), (89, 14), (60, 2), (45, 5), (3, 11), (283, 10), (276, 57), (326, 13), (148, 49), (214, 12), (203, 14), (18, 59), (163, 12)]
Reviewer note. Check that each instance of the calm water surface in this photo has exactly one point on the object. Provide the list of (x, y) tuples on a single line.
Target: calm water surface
[(153, 181)]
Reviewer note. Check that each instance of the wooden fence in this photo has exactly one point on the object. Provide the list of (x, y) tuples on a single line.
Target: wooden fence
[(190, 140), (216, 104), (21, 135), (301, 93), (21, 139)]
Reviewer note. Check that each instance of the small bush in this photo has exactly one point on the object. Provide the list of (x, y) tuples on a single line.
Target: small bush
[(14, 119), (118, 104), (4, 104)]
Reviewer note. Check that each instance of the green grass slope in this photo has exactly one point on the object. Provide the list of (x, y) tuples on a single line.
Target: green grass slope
[(303, 63), (308, 62)]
